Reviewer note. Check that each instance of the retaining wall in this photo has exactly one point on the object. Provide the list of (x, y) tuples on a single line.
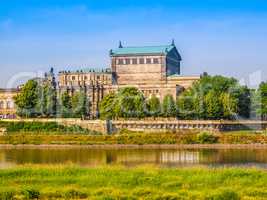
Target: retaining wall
[(156, 125)]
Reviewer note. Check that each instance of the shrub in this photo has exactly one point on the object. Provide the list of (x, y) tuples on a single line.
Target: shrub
[(31, 193), (75, 194), (44, 127), (224, 195), (207, 138), (7, 195)]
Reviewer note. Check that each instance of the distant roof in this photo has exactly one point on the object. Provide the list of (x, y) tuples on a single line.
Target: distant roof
[(163, 49), (87, 70)]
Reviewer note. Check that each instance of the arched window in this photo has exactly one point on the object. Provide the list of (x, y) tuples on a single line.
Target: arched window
[(9, 104)]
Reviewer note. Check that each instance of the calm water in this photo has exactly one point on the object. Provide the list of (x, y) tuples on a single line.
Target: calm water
[(134, 157)]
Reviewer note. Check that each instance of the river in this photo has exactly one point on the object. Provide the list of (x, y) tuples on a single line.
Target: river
[(87, 157)]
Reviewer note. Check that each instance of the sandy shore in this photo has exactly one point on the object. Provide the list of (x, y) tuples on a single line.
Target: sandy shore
[(149, 146)]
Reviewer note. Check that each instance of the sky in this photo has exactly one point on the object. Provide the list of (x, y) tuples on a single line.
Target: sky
[(225, 37)]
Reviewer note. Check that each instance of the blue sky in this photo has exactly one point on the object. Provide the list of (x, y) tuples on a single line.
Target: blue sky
[(217, 36)]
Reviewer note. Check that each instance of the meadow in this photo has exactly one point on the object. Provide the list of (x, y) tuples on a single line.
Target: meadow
[(146, 182)]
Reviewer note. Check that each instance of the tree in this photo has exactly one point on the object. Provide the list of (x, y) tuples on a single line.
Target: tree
[(153, 106), (66, 105), (169, 107), (208, 99), (127, 102), (256, 105), (186, 105), (242, 94), (79, 105), (263, 100), (107, 106), (213, 105), (47, 100), (229, 105), (27, 99), (130, 103)]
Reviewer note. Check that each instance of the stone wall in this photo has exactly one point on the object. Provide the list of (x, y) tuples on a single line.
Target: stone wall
[(139, 74), (160, 125), (174, 125)]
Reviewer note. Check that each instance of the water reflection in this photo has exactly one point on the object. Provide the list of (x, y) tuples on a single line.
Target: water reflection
[(134, 157)]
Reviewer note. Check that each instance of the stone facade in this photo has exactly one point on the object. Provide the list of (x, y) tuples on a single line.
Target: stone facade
[(153, 70), (7, 105), (95, 83)]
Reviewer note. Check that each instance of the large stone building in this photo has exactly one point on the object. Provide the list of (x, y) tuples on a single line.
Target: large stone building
[(152, 69)]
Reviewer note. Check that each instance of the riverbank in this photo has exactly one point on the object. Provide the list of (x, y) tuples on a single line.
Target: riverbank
[(62, 182), (137, 138), (129, 146)]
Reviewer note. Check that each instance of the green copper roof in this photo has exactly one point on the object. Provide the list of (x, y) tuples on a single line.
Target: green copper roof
[(142, 50)]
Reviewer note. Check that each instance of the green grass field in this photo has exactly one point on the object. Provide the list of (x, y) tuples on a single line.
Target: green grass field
[(62, 182)]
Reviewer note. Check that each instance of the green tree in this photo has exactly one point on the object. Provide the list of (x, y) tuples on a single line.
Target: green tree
[(213, 105), (263, 100), (107, 106), (47, 100), (27, 99), (169, 106), (229, 106), (79, 105), (207, 99), (153, 106), (242, 94), (186, 105), (66, 105), (256, 105), (130, 103)]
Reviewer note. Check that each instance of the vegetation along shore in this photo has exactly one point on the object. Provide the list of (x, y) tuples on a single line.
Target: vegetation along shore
[(147, 182), (38, 133)]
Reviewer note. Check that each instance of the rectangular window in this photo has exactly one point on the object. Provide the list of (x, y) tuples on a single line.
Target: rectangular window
[(73, 78), (120, 61), (155, 60), (141, 61), (127, 61), (134, 61), (148, 61)]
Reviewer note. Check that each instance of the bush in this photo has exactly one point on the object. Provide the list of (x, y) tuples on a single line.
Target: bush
[(31, 193), (207, 138), (7, 195), (44, 127), (224, 195), (75, 194)]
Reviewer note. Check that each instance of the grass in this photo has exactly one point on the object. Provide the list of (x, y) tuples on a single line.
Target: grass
[(139, 138), (70, 182)]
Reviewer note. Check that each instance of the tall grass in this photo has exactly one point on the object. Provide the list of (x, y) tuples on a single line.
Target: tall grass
[(45, 128), (133, 138), (69, 182)]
